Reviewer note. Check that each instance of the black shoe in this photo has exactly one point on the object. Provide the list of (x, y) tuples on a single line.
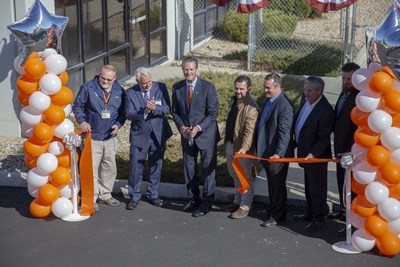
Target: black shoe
[(336, 215), (303, 217), (269, 223), (201, 212), (341, 232), (314, 225), (156, 202), (191, 205), (131, 205)]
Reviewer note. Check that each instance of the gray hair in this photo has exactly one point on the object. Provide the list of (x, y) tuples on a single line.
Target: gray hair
[(142, 71), (315, 82), (109, 68), (277, 80)]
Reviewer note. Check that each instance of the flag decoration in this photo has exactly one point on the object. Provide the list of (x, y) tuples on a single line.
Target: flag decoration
[(329, 5)]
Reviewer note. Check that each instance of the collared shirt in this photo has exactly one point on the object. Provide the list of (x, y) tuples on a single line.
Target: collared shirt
[(193, 86), (303, 115), (265, 111)]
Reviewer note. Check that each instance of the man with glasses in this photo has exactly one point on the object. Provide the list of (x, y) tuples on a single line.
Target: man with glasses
[(98, 108)]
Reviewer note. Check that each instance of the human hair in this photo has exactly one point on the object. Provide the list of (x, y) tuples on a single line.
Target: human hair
[(243, 78), (350, 66), (109, 68), (315, 82), (275, 77), (142, 71), (190, 59)]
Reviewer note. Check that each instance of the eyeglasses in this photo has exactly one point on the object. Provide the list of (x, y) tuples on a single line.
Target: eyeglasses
[(105, 79)]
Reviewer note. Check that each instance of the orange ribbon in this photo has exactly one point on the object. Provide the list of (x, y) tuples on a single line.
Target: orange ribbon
[(242, 174), (86, 175)]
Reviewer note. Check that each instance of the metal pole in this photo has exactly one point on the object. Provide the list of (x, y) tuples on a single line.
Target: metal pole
[(353, 30), (250, 41), (346, 37)]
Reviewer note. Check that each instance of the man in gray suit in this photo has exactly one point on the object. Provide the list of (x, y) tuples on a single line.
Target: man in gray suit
[(274, 140), (146, 105), (195, 112)]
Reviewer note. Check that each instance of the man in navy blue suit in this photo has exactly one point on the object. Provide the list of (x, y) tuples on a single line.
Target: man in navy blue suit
[(146, 105)]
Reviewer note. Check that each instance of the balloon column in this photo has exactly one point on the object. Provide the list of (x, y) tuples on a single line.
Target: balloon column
[(376, 175)]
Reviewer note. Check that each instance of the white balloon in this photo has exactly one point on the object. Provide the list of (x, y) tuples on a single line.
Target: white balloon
[(357, 220), (395, 156), (26, 130), (66, 127), (62, 207), (47, 163), (17, 67), (33, 190), (394, 226), (66, 191), (363, 241), (56, 148), (359, 153), (55, 64), (379, 121), (374, 67), (39, 101), (360, 78), (367, 100), (67, 110), (390, 209), (37, 177), (396, 85), (364, 173), (47, 52), (50, 84), (391, 138), (30, 116), (376, 192)]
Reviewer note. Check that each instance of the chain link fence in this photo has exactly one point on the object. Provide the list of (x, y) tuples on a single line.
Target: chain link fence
[(287, 36)]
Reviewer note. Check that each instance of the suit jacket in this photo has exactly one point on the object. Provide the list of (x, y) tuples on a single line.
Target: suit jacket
[(203, 111), (275, 136), (155, 122), (314, 136), (344, 128)]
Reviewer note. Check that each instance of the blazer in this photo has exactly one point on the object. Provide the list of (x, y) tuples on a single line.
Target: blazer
[(275, 136), (203, 111), (344, 127), (155, 121), (314, 136)]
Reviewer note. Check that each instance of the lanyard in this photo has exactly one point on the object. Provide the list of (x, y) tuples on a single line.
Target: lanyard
[(106, 98)]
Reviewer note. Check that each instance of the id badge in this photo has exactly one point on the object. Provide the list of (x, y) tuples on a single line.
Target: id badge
[(105, 114)]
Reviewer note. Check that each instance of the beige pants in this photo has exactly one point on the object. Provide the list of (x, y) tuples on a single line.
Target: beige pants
[(104, 167)]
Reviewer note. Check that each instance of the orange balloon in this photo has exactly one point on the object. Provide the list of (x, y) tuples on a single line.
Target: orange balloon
[(390, 72), (33, 55), (362, 206), (27, 85), (60, 177), (63, 97), (381, 82), (392, 101), (33, 149), (64, 159), (357, 188), (378, 156), (376, 225), (388, 244), (390, 173), (43, 132), (365, 137), (30, 161), (359, 117), (49, 193), (39, 209), (54, 115), (63, 77), (35, 68), (396, 120), (23, 99), (394, 191)]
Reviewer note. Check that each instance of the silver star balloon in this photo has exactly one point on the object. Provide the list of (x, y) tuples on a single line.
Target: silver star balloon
[(383, 42), (38, 30)]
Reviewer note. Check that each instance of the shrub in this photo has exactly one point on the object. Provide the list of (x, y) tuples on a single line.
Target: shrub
[(297, 7)]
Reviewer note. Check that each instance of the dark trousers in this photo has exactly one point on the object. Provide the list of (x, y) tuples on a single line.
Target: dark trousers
[(316, 188), (340, 171), (276, 176), (137, 159)]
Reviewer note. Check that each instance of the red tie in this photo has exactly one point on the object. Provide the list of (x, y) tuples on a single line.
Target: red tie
[(190, 94)]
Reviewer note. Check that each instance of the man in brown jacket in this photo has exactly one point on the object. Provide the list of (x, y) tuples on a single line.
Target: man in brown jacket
[(240, 125)]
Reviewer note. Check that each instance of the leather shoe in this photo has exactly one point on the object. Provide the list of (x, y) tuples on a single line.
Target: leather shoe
[(191, 205), (314, 225), (303, 217), (341, 232), (131, 205), (201, 212), (156, 202), (270, 223), (336, 215)]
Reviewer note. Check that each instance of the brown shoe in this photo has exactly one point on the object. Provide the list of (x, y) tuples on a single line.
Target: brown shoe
[(111, 201), (240, 213), (230, 207)]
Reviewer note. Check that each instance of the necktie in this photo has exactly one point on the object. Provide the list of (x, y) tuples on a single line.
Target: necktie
[(146, 97), (190, 94), (340, 103)]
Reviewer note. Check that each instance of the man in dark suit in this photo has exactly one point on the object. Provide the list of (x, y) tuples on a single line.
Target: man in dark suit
[(195, 112), (274, 140), (146, 105), (344, 129), (313, 127)]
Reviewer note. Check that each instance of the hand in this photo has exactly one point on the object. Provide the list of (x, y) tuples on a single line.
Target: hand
[(194, 130), (85, 127), (185, 132), (115, 129), (275, 156), (309, 156), (151, 104), (242, 151)]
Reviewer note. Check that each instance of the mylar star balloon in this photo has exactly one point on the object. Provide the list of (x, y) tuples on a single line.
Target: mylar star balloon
[(38, 30)]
